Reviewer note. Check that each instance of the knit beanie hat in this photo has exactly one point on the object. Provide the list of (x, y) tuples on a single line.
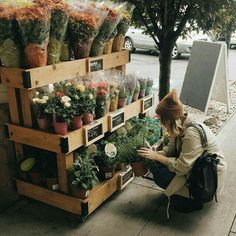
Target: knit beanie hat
[(170, 106)]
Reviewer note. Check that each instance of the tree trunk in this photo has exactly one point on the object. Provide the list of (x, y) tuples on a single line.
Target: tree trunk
[(228, 37), (165, 59)]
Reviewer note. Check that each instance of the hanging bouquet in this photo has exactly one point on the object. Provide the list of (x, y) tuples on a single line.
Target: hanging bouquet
[(84, 25), (34, 24), (149, 86), (9, 49), (106, 30), (143, 86), (130, 85), (102, 101), (59, 22), (122, 28)]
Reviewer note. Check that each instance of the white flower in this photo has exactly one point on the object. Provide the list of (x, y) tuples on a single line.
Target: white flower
[(37, 93), (35, 100), (65, 99), (67, 104), (76, 97), (68, 84), (42, 101), (91, 96), (46, 98)]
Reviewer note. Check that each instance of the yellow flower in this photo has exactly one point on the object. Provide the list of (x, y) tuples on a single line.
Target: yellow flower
[(80, 87)]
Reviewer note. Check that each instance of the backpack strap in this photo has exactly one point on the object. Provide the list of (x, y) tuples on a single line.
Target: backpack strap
[(202, 134)]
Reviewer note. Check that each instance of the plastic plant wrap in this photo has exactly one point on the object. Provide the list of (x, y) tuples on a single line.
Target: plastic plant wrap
[(34, 24), (59, 22), (143, 86), (9, 50), (84, 25), (123, 95), (136, 91), (130, 85), (66, 53), (109, 43), (106, 30), (149, 86), (122, 28)]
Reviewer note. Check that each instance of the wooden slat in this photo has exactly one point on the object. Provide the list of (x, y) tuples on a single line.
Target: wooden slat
[(13, 106), (64, 162), (41, 76), (26, 98), (55, 199), (102, 192), (35, 138)]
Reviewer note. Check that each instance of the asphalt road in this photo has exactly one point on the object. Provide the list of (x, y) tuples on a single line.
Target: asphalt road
[(147, 64)]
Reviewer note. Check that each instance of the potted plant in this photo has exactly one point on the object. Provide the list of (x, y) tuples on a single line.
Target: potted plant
[(136, 91), (106, 160), (149, 86), (39, 104), (114, 96), (83, 177), (130, 85), (123, 94), (143, 86), (88, 106)]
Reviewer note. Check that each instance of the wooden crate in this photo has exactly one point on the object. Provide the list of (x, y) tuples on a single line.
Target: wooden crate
[(41, 76), (71, 141)]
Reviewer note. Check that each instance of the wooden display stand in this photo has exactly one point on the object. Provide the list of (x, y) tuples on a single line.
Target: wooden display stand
[(21, 86)]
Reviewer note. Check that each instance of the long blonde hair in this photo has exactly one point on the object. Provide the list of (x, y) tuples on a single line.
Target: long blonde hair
[(172, 126)]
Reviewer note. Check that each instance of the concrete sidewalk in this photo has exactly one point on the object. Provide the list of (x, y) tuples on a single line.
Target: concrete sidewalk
[(135, 211)]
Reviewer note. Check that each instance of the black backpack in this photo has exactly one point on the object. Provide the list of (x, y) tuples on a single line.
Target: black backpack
[(202, 182)]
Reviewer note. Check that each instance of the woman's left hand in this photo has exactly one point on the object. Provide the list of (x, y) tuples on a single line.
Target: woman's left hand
[(148, 154)]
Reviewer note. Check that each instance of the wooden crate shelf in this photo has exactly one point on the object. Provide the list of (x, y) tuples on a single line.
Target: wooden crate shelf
[(41, 76), (71, 141), (67, 202)]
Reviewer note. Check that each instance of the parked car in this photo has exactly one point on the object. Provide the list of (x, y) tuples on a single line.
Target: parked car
[(232, 42), (135, 38)]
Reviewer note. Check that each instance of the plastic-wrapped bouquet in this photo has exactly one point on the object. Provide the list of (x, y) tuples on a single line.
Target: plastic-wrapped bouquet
[(123, 95), (122, 28), (9, 50), (107, 28), (114, 96), (59, 22), (34, 24), (84, 25), (149, 86), (143, 86), (136, 91), (130, 85)]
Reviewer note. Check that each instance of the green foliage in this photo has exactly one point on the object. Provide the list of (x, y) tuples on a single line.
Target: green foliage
[(82, 174)]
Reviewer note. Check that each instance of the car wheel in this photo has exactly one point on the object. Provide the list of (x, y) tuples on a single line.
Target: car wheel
[(129, 45), (175, 53)]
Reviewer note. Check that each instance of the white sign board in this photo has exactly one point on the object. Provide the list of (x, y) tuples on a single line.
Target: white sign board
[(206, 76)]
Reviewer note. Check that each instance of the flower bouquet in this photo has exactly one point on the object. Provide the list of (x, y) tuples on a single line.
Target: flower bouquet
[(59, 22), (130, 85), (66, 54), (9, 50), (102, 100), (123, 95), (106, 30), (84, 25), (109, 43), (40, 102), (34, 24), (114, 96), (122, 29), (136, 91), (143, 86), (149, 86)]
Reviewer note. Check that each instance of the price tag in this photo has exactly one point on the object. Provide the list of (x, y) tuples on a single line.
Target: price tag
[(95, 65), (147, 103), (93, 132), (116, 120)]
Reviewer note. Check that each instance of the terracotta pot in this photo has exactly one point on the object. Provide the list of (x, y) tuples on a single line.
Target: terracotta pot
[(106, 172), (35, 177), (77, 123), (52, 183), (142, 93), (135, 97), (122, 102), (79, 193), (60, 128), (43, 124), (139, 168), (88, 118), (118, 43)]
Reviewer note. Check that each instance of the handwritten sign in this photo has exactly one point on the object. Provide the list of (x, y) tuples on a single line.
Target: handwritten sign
[(116, 120), (96, 65), (93, 133), (125, 177), (147, 103)]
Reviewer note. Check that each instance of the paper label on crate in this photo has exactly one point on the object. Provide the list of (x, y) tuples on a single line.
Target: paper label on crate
[(96, 65), (127, 176), (147, 103), (108, 175), (94, 132)]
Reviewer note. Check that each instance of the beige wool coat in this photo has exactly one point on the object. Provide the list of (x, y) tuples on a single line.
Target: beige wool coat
[(187, 146)]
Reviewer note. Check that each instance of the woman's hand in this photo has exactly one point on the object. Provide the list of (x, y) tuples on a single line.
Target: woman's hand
[(148, 154)]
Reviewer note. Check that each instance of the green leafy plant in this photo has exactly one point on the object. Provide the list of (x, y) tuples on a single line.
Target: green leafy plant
[(83, 175)]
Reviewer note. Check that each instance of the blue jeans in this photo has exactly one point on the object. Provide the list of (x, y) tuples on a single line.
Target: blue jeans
[(162, 176)]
